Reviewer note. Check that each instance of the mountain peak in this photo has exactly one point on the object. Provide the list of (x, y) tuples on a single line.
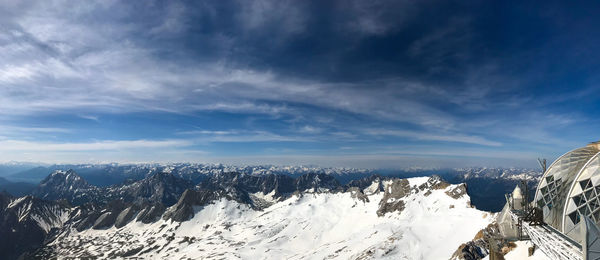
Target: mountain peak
[(69, 176), (62, 184)]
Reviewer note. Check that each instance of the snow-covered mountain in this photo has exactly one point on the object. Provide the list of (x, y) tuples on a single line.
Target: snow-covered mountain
[(487, 185), (416, 218), (247, 216)]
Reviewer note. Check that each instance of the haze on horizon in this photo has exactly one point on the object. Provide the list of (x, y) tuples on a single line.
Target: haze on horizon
[(371, 84)]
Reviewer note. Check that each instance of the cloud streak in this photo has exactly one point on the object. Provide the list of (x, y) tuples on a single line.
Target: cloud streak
[(435, 137), (28, 146)]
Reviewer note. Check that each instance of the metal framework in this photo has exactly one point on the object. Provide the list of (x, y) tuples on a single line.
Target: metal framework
[(554, 244)]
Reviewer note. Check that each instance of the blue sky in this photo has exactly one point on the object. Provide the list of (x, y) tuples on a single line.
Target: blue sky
[(332, 83)]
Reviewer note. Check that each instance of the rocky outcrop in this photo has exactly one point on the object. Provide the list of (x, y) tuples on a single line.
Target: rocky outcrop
[(151, 213), (478, 248), (392, 198), (238, 186), (317, 182), (126, 216), (368, 185), (458, 191), (435, 182), (109, 215), (282, 185), (160, 187), (184, 209), (106, 220), (84, 216), (356, 193)]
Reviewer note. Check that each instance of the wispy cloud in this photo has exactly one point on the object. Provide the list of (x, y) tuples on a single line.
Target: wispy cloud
[(90, 117), (434, 137), (30, 146), (243, 136), (22, 129)]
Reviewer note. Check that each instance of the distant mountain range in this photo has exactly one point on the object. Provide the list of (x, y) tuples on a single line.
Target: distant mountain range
[(488, 184), (111, 174), (16, 188), (10, 168)]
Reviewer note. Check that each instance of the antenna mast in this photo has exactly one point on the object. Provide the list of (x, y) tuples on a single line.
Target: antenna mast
[(542, 163)]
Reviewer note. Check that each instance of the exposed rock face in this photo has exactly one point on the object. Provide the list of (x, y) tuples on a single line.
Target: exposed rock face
[(109, 215), (369, 185), (83, 217), (400, 188), (160, 187), (478, 248), (151, 213), (126, 216), (239, 185), (316, 182), (184, 209), (392, 198), (458, 191), (106, 220), (236, 183), (435, 182), (281, 184), (356, 193), (27, 221)]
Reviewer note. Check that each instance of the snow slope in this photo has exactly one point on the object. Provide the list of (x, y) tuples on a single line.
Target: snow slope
[(305, 226)]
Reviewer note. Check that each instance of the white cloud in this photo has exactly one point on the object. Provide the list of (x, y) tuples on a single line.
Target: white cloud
[(242, 136), (90, 117), (21, 129), (29, 146)]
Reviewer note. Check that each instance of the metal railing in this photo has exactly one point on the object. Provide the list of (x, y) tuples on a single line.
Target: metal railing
[(553, 243)]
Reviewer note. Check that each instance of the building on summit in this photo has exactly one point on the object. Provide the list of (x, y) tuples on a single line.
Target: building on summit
[(563, 218)]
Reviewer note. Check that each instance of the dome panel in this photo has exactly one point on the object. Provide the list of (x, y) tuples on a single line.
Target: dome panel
[(585, 186)]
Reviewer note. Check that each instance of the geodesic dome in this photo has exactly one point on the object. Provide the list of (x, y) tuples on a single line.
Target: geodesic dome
[(570, 189)]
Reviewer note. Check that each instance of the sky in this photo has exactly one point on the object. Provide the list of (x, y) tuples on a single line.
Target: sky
[(371, 84)]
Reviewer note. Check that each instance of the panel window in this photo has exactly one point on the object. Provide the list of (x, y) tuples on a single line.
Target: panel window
[(593, 204), (577, 200), (589, 194), (574, 216), (583, 210), (583, 184)]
